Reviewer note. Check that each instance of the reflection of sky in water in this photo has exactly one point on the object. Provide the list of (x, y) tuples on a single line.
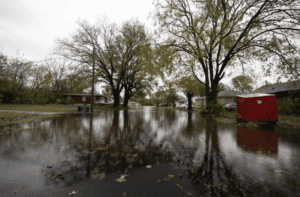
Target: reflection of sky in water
[(52, 141)]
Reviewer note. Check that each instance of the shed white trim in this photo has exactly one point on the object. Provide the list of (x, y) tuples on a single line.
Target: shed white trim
[(255, 95)]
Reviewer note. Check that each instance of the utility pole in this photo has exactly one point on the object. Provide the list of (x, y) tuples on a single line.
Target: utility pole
[(93, 81)]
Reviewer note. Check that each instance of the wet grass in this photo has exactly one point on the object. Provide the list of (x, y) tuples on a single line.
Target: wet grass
[(292, 120), (38, 108)]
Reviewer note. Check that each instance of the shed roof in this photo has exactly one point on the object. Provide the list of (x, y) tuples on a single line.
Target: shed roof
[(280, 87), (229, 93), (255, 95)]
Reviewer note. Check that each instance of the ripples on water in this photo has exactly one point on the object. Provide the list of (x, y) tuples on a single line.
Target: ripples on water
[(220, 159)]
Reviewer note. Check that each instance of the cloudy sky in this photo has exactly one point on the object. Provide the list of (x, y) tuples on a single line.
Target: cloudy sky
[(31, 26)]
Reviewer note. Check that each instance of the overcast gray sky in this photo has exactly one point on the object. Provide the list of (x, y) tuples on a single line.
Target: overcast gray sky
[(31, 26)]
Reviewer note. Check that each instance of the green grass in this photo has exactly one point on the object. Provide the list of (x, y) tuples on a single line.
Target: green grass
[(228, 114), (39, 108)]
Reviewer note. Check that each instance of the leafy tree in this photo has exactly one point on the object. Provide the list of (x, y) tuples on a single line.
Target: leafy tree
[(77, 81), (55, 74), (134, 45), (191, 87), (15, 73), (215, 34), (107, 91), (242, 83)]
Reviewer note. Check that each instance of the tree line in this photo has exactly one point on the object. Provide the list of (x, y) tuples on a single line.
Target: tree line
[(26, 82)]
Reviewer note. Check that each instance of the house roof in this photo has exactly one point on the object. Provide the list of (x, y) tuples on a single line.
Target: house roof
[(82, 94), (229, 93), (280, 87)]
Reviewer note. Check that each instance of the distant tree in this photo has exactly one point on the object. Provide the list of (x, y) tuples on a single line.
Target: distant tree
[(107, 92), (191, 87), (55, 73), (242, 83), (222, 87), (14, 79)]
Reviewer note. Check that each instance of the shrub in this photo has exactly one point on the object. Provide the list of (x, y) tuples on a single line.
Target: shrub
[(70, 101), (296, 106), (64, 102), (285, 106), (212, 108)]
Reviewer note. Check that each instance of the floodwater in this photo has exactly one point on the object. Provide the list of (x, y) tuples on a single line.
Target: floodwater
[(87, 153)]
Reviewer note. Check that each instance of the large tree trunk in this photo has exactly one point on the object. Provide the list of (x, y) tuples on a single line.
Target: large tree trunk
[(211, 96), (126, 99), (116, 94), (189, 96)]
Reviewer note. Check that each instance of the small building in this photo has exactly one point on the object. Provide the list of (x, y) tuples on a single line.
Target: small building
[(84, 97), (181, 102), (134, 104), (257, 107), (197, 101)]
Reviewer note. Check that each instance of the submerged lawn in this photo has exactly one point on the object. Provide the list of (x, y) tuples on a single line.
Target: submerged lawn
[(11, 117), (38, 108)]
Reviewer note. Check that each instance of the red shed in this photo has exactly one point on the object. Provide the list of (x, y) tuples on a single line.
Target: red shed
[(257, 107)]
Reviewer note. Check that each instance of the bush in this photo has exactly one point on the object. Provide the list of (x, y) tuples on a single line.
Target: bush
[(64, 102), (70, 101), (296, 106), (285, 106), (212, 108)]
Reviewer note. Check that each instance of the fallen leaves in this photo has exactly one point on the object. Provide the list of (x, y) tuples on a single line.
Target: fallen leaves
[(48, 175), (59, 177), (148, 166), (124, 193), (158, 180), (100, 176), (121, 179), (170, 176), (188, 193), (72, 193)]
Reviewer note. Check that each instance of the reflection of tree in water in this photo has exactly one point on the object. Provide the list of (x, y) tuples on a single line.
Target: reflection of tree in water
[(213, 176), (107, 156), (118, 153)]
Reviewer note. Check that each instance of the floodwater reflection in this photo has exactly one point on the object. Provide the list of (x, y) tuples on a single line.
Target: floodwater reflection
[(220, 159)]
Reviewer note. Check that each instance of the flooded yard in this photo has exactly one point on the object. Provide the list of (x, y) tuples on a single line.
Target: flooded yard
[(147, 151)]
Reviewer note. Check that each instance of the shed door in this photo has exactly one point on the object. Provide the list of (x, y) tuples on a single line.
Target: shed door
[(83, 98)]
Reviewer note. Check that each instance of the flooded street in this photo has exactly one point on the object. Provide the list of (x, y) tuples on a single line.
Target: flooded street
[(159, 152)]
